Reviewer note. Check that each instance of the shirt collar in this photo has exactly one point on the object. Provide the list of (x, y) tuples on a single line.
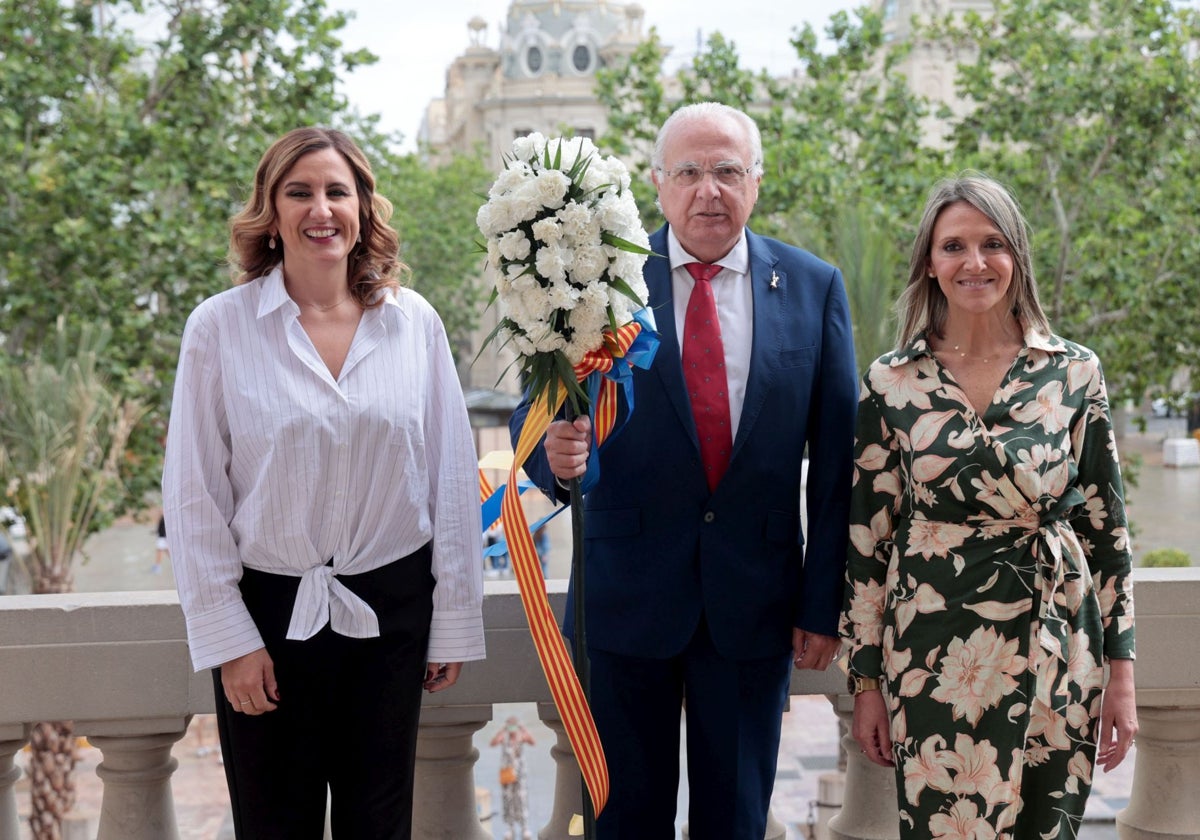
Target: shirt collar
[(1034, 340), (273, 295), (738, 258)]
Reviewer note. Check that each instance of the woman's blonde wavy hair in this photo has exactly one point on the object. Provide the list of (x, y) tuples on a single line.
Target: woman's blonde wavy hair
[(374, 261)]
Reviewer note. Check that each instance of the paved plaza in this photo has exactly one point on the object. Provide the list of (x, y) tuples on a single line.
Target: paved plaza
[(1163, 508)]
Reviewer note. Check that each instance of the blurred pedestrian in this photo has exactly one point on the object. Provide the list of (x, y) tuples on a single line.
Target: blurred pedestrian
[(514, 790)]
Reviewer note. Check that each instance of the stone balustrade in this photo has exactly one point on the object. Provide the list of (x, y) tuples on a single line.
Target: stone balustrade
[(117, 664)]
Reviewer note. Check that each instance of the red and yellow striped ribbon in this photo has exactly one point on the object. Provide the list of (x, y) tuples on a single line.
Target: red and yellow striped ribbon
[(547, 639), (601, 360)]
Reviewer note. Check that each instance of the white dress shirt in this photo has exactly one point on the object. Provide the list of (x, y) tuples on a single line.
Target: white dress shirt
[(273, 465), (735, 311)]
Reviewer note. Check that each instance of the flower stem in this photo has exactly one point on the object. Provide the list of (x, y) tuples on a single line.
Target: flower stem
[(579, 641)]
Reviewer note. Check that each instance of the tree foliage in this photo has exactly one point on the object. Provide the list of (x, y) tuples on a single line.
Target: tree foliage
[(125, 157), (1087, 109), (435, 216), (63, 431), (1090, 110)]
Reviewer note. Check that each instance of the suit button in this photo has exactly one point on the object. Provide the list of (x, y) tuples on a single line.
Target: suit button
[(709, 516)]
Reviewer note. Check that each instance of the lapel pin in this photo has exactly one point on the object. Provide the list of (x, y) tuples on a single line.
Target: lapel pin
[(774, 280)]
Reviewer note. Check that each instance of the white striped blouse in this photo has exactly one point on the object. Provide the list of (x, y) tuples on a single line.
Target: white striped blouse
[(273, 465)]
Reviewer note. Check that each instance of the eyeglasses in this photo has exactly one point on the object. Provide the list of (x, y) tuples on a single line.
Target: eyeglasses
[(688, 174)]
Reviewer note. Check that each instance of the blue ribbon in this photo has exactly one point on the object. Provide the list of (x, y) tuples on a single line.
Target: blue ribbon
[(639, 355)]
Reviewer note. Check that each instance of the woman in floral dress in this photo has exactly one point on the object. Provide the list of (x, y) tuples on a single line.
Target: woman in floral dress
[(989, 580)]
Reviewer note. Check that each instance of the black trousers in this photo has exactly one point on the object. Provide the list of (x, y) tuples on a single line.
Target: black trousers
[(347, 714)]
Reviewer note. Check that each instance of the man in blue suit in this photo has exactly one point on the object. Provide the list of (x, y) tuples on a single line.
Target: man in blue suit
[(701, 588)]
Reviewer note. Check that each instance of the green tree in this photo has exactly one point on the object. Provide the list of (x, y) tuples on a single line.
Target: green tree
[(435, 216), (1089, 110), (863, 247), (63, 431), (125, 159)]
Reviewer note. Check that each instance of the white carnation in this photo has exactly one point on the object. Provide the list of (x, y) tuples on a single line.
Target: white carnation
[(528, 147), (536, 305), (490, 220), (591, 261), (617, 215), (622, 306), (522, 278), (548, 341), (551, 262), (524, 346), (523, 205), (562, 295), (589, 319), (514, 245), (579, 224), (547, 230), (628, 267), (510, 179), (550, 188)]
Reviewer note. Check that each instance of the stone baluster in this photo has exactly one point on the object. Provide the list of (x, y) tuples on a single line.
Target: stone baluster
[(568, 793), (14, 737), (1166, 777), (869, 808), (444, 791), (568, 790), (136, 771)]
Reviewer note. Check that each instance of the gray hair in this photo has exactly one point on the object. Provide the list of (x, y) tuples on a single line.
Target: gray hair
[(922, 305), (700, 112)]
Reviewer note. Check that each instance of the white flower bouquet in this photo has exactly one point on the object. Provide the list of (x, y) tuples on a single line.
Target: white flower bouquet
[(563, 235)]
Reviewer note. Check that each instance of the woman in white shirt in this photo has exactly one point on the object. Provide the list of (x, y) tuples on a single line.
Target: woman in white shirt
[(321, 497)]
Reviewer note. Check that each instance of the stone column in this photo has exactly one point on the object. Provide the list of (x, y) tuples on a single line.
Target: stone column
[(869, 810), (136, 771), (444, 789), (568, 783), (9, 773), (1163, 804)]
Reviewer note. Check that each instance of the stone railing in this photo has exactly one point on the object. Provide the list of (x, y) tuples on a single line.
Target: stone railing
[(117, 664)]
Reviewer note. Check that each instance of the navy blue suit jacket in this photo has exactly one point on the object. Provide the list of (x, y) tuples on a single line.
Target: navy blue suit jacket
[(660, 549)]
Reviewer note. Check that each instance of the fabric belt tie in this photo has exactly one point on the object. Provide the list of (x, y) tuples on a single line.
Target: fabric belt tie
[(1054, 547), (323, 599), (704, 373)]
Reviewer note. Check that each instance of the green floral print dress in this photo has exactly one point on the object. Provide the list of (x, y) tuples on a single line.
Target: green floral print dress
[(988, 579)]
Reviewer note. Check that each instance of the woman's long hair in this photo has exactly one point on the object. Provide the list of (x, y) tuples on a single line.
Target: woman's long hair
[(374, 261), (922, 306)]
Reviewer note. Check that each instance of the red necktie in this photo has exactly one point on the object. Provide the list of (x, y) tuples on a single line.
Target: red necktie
[(704, 373)]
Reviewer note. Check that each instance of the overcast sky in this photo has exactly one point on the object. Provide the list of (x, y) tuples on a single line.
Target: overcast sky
[(417, 39)]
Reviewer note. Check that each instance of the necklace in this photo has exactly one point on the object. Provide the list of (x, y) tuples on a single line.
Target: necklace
[(963, 355)]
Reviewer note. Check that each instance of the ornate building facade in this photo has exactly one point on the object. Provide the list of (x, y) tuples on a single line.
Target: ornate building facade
[(539, 78), (929, 68)]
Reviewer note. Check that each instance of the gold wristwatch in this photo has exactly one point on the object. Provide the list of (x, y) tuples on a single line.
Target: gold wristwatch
[(856, 685)]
